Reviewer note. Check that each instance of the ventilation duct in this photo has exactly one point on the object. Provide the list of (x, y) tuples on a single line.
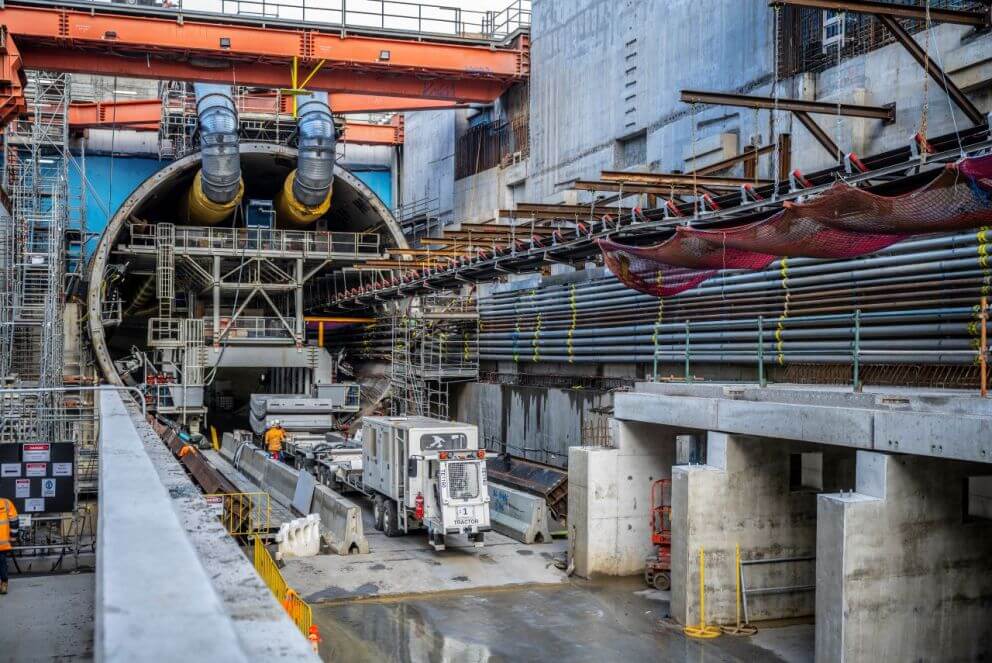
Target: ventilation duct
[(217, 187), (306, 194)]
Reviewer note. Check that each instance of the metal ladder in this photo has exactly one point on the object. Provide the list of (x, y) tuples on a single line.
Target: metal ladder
[(165, 268)]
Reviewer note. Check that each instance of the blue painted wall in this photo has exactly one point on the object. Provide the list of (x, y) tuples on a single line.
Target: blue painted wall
[(380, 181), (111, 181)]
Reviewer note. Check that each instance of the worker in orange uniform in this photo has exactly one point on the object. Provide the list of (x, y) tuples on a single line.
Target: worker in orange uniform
[(314, 638), (274, 438), (8, 532)]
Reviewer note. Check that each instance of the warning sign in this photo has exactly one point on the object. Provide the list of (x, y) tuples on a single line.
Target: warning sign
[(39, 477), (37, 453), (35, 469)]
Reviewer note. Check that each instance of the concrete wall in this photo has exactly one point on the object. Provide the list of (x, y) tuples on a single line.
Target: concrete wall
[(609, 498), (900, 575), (603, 71), (428, 169), (534, 422), (743, 496)]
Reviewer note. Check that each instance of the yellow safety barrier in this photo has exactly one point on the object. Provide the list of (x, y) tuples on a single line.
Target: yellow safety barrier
[(739, 628), (243, 514), (297, 609), (701, 630)]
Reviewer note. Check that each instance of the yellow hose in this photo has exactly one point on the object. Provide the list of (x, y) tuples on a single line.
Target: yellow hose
[(200, 210), (290, 211)]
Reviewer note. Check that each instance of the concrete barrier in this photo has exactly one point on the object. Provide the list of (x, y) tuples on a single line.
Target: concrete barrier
[(343, 519), (299, 537), (340, 518), (519, 515)]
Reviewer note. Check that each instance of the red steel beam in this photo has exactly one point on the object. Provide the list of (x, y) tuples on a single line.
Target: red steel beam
[(367, 103), (139, 114), (261, 75), (143, 47), (365, 133), (145, 115)]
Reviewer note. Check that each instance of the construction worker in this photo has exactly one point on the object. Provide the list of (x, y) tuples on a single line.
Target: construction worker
[(314, 638), (274, 438), (8, 532)]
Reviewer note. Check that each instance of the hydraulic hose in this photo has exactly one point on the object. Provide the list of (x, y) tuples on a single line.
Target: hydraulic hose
[(217, 188), (306, 193)]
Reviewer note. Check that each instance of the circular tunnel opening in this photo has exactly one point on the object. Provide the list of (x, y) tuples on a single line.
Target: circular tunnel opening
[(131, 276)]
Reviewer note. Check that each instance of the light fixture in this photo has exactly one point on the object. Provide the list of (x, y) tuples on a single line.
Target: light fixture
[(384, 55), (128, 93)]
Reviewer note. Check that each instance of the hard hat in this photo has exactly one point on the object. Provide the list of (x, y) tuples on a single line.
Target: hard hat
[(313, 629)]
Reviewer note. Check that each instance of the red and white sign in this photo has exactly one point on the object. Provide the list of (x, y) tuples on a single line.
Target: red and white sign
[(37, 453), (35, 469), (22, 488)]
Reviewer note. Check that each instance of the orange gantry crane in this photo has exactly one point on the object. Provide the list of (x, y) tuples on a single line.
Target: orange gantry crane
[(381, 72)]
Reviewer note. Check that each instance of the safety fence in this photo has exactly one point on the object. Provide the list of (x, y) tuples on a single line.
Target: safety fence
[(243, 514), (297, 609)]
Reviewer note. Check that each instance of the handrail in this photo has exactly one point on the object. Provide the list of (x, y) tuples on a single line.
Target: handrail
[(103, 387), (399, 17), (856, 351)]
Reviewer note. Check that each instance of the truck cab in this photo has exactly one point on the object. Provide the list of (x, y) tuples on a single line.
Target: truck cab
[(428, 474)]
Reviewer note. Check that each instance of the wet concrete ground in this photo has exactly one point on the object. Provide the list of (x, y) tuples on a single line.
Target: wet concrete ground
[(608, 620), (48, 618)]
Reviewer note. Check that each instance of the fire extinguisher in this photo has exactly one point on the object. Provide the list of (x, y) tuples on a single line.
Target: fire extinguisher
[(418, 507)]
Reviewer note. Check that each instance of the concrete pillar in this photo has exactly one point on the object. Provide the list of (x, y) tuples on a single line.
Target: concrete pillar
[(744, 496), (609, 498), (900, 574)]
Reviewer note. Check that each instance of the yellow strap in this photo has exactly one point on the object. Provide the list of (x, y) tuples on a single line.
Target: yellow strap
[(780, 326)]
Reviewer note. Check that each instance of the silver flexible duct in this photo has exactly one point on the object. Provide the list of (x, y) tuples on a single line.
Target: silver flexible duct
[(221, 160), (315, 164)]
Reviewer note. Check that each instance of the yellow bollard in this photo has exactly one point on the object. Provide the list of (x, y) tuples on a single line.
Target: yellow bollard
[(702, 630), (739, 629)]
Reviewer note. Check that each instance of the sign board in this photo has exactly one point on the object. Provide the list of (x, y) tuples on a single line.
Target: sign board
[(39, 477)]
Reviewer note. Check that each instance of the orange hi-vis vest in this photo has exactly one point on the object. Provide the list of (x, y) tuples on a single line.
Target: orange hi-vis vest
[(274, 438), (8, 523)]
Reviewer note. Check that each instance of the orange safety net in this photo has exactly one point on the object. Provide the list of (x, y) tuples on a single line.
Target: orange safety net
[(842, 222)]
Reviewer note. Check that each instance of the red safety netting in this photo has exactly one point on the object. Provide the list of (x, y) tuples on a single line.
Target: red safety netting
[(842, 222)]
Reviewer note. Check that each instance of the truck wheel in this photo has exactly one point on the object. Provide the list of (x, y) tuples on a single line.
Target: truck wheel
[(377, 511), (390, 521), (662, 581)]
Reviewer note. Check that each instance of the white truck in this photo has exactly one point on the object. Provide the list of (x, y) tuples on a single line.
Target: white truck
[(423, 473)]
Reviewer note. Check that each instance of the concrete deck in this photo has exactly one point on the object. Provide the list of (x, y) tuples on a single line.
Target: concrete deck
[(408, 565), (48, 618), (169, 578), (575, 621), (927, 422)]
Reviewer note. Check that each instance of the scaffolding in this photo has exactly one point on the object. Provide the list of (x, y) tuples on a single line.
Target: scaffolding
[(435, 342)]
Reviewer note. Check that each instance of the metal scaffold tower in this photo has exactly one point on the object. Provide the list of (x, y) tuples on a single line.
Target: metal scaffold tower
[(435, 342), (42, 247)]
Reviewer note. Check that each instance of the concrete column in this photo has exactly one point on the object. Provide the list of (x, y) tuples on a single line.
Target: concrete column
[(743, 496), (609, 498), (900, 575)]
